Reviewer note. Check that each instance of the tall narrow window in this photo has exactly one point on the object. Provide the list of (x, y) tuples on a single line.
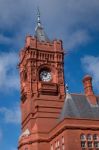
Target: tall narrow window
[(62, 140), (63, 146), (52, 147), (96, 141), (56, 145), (83, 141)]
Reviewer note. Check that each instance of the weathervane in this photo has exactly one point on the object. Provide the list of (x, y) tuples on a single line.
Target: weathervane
[(38, 17)]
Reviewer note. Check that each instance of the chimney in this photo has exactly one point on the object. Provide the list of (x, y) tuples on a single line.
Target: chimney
[(87, 81)]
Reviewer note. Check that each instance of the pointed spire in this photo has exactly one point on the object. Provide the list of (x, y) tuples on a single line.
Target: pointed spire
[(38, 17), (39, 30)]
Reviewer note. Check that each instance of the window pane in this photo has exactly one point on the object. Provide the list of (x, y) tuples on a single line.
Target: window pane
[(83, 137), (55, 144), (51, 147), (89, 137), (96, 144), (90, 145), (83, 144), (58, 143), (95, 137), (63, 147), (62, 140)]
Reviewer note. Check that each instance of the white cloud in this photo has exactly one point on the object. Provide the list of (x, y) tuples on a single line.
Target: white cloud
[(77, 38), (8, 71), (91, 66), (11, 115), (4, 39), (61, 18)]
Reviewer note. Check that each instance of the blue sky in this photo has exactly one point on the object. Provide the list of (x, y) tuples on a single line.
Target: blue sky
[(76, 22)]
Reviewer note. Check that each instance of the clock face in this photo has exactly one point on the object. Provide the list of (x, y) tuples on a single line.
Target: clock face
[(45, 76)]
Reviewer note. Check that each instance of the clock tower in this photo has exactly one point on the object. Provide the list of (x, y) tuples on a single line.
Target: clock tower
[(42, 88)]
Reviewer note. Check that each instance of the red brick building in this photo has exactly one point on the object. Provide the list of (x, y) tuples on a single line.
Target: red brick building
[(51, 118)]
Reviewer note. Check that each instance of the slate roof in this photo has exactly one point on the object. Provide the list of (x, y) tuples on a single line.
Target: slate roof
[(40, 34), (78, 106)]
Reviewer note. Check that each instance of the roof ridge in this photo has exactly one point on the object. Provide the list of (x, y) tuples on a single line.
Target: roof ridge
[(77, 94)]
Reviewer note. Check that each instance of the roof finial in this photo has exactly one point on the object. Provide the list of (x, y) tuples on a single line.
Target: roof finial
[(38, 17), (66, 87)]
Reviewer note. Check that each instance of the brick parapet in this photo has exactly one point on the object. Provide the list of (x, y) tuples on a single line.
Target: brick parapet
[(32, 42)]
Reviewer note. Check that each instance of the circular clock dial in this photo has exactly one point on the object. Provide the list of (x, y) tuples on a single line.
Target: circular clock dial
[(45, 76)]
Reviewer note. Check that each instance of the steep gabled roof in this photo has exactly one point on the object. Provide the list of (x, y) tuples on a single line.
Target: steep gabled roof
[(40, 34), (78, 106)]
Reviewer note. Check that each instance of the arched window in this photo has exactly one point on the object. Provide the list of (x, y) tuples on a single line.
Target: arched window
[(95, 137), (63, 146), (96, 140), (51, 147), (89, 137), (83, 140), (56, 145), (62, 140), (82, 137)]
